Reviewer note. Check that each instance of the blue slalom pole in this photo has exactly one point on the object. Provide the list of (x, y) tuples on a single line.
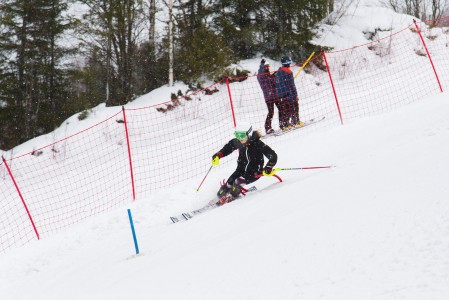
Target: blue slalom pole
[(133, 231)]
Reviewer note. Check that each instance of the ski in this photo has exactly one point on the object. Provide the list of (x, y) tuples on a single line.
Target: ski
[(212, 204), (306, 123)]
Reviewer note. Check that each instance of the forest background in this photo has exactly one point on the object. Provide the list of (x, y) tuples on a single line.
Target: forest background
[(60, 57)]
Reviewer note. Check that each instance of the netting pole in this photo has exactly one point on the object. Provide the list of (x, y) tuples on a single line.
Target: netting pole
[(333, 87), (21, 197), (428, 55), (129, 153), (230, 100)]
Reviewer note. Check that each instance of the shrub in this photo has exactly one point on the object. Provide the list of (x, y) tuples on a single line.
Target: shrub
[(83, 115)]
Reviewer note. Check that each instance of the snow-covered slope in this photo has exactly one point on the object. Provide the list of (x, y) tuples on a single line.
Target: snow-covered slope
[(374, 227)]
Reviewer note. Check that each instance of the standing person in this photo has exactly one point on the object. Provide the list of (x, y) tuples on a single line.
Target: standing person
[(286, 90), (267, 83), (250, 162)]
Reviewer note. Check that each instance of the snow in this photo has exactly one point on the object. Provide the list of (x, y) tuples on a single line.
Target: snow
[(376, 226), (350, 22)]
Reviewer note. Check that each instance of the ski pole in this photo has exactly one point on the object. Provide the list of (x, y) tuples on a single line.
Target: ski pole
[(303, 168), (269, 175), (204, 179)]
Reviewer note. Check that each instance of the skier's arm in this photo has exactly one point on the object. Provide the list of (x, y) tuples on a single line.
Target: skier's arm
[(279, 84), (225, 151), (270, 154), (261, 67)]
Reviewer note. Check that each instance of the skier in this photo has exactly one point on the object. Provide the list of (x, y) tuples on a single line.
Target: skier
[(286, 90), (267, 83), (250, 161)]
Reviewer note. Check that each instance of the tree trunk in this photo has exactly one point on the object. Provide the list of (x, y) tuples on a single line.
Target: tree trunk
[(170, 47), (330, 7), (152, 29)]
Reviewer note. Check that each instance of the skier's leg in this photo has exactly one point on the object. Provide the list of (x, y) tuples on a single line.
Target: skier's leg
[(226, 187), (270, 106), (283, 113), (239, 182), (278, 104), (295, 112)]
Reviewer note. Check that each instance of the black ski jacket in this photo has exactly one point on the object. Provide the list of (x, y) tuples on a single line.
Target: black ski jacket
[(251, 154)]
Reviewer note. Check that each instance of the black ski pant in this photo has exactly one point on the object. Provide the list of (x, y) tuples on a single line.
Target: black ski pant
[(241, 177), (291, 109), (270, 106)]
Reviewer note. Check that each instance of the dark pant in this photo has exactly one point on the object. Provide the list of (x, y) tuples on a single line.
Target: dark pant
[(270, 106), (291, 108), (240, 177)]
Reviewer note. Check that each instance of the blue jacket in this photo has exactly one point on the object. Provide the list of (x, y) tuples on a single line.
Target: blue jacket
[(267, 82), (285, 84)]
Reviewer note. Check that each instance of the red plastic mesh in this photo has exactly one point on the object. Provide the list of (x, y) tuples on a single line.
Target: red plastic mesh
[(90, 172)]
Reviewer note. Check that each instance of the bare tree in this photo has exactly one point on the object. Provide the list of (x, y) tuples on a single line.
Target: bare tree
[(113, 28), (416, 8), (395, 5), (438, 8), (152, 27)]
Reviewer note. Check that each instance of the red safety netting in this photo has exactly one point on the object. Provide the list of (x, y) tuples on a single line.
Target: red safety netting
[(171, 146), (138, 150), (65, 182)]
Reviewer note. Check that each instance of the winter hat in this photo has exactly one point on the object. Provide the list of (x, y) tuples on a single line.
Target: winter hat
[(286, 60)]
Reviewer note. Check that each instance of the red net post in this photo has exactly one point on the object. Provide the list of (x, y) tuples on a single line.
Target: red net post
[(436, 35), (129, 153), (21, 197), (428, 55), (230, 101), (333, 86)]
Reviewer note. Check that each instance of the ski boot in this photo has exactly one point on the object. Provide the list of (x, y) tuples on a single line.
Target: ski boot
[(224, 189), (236, 189)]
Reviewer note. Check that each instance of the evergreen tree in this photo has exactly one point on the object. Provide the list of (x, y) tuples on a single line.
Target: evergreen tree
[(201, 52), (202, 55), (238, 23), (269, 27), (34, 72), (150, 67)]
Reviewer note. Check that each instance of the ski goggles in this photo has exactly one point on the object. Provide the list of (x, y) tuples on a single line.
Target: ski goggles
[(240, 135)]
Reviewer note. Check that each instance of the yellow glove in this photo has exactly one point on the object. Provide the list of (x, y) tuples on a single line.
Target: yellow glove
[(215, 160), (269, 171)]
